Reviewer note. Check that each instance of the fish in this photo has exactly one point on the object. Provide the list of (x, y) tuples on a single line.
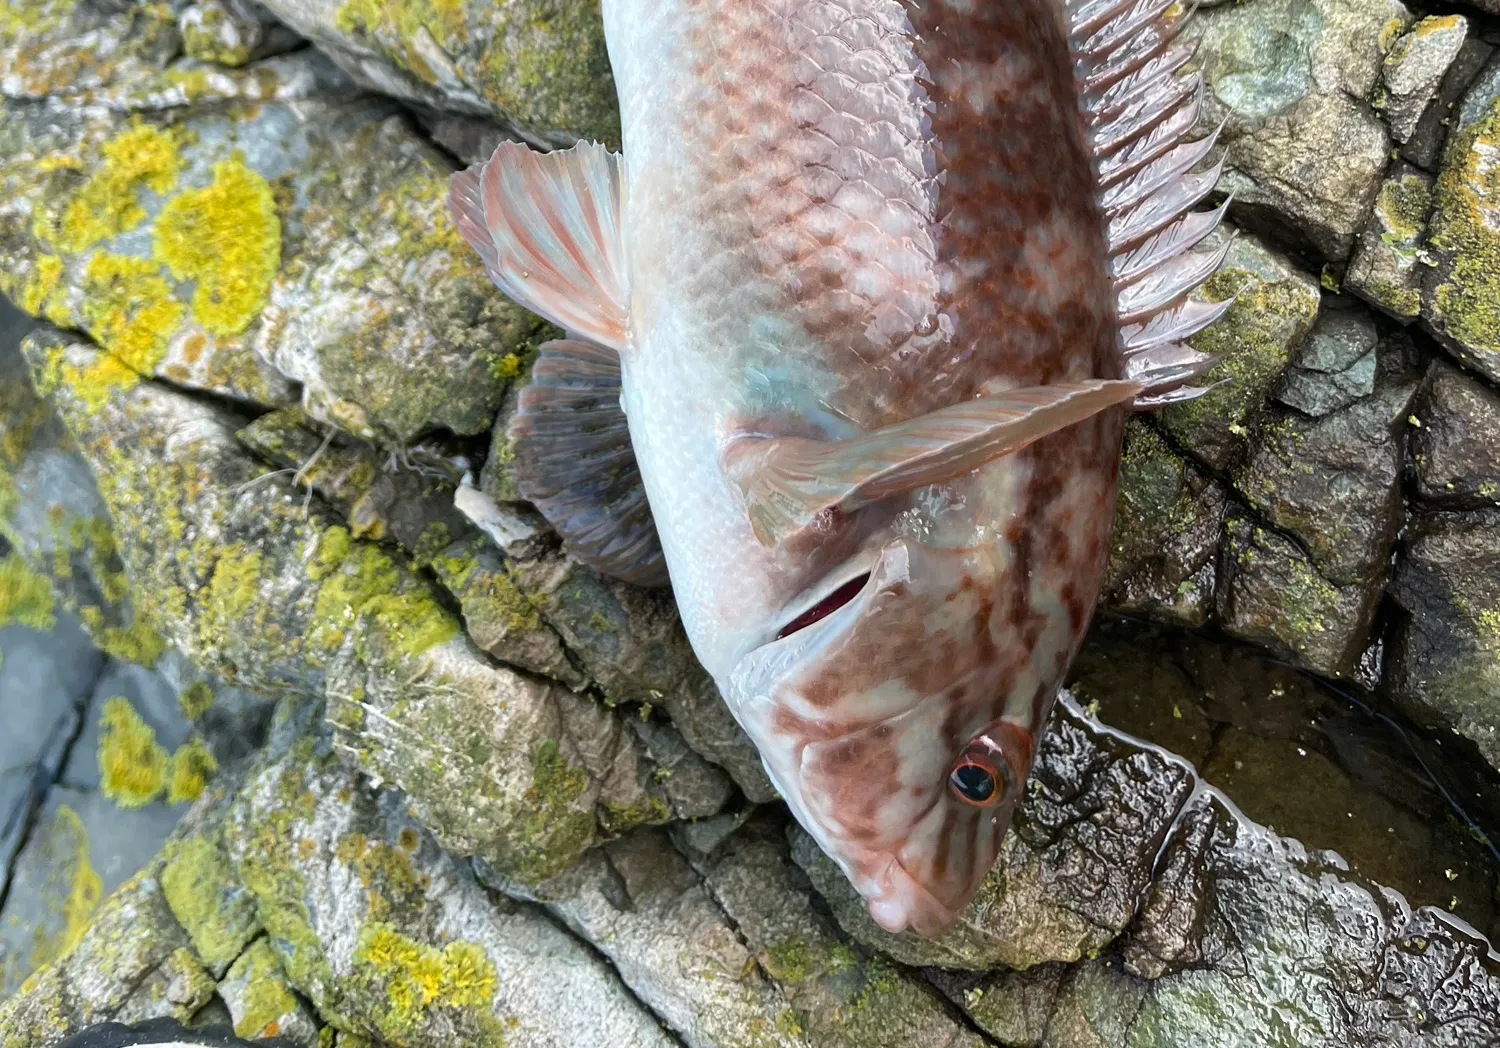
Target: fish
[(853, 323)]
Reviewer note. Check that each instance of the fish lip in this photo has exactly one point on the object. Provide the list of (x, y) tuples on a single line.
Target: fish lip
[(924, 904)]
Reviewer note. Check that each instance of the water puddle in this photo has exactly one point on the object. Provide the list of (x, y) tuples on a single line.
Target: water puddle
[(1309, 759)]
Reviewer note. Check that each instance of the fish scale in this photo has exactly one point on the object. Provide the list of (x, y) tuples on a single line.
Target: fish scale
[(854, 324)]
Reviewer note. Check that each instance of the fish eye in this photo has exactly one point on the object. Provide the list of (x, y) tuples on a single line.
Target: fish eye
[(975, 782)]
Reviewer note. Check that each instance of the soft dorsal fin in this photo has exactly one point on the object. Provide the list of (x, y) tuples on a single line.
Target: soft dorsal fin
[(1138, 112), (575, 464), (548, 228), (787, 481)]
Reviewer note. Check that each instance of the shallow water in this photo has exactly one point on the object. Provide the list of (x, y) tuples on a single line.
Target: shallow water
[(1331, 768)]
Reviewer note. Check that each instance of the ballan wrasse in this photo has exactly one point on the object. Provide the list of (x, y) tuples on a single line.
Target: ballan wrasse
[(853, 327)]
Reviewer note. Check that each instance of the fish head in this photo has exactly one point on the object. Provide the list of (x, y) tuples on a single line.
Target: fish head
[(880, 710)]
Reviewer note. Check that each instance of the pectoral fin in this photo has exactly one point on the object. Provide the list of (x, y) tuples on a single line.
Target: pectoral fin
[(575, 464), (548, 228), (788, 481)]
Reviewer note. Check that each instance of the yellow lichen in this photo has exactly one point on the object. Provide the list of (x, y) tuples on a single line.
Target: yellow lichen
[(417, 977), (41, 285), (132, 764), (137, 642), (195, 699), (226, 238), (141, 158), (192, 766), (68, 846), (26, 597), (129, 308)]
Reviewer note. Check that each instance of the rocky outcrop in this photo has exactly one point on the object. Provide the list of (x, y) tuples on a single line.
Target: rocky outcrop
[(258, 453)]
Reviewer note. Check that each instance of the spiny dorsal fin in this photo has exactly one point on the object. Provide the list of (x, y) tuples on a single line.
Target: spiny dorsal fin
[(1138, 111), (548, 228), (575, 464), (788, 481)]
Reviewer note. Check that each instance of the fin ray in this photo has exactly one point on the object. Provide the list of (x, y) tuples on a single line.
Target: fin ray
[(574, 462), (547, 226), (789, 481), (1139, 106)]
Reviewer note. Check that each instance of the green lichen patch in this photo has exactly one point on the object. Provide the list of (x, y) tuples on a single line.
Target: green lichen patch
[(1464, 300), (132, 764), (261, 1000), (195, 699), (26, 597), (359, 581), (556, 829), (203, 890), (1254, 341), (226, 238)]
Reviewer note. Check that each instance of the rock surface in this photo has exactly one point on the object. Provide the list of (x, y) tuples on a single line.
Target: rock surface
[(500, 801)]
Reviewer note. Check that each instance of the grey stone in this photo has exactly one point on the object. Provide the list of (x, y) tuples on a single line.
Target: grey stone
[(152, 697), (43, 679), (1389, 263), (389, 937), (260, 1001), (1444, 661), (1414, 68), (1272, 594), (1168, 520), (1275, 307), (540, 68), (1462, 288), (82, 849), (1431, 133), (1334, 481), (1336, 365), (1456, 442), (1291, 78)]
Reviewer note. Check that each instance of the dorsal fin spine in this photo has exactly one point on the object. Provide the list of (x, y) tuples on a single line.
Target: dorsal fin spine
[(1138, 108)]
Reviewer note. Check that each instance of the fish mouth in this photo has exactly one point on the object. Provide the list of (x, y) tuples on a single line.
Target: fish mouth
[(898, 901)]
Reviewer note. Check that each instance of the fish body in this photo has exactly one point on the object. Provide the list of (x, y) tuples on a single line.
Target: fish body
[(858, 286)]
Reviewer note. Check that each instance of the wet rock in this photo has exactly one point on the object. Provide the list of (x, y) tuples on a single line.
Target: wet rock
[(1431, 133), (1334, 481), (1456, 444), (1335, 366), (1444, 660), (1068, 878), (1388, 267), (539, 67), (1237, 910), (1314, 763), (1272, 594), (1461, 292), (1414, 68), (1290, 79), (1166, 538), (237, 570), (1275, 306), (131, 964), (390, 938)]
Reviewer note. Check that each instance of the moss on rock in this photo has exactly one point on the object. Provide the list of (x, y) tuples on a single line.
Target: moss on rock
[(1463, 295), (26, 597), (205, 896)]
